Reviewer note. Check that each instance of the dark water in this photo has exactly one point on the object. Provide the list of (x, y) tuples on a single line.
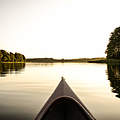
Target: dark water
[(25, 88)]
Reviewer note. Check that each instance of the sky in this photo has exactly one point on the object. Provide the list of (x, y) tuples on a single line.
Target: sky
[(58, 28)]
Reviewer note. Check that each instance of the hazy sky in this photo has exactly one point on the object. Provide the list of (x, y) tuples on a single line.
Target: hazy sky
[(58, 28)]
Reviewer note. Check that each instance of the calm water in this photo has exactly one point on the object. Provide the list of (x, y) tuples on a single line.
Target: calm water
[(25, 88)]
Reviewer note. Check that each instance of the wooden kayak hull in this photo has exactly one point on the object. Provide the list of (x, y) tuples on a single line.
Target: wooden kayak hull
[(64, 105)]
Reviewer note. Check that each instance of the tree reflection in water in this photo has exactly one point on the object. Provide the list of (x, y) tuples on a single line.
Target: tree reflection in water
[(9, 68), (113, 71)]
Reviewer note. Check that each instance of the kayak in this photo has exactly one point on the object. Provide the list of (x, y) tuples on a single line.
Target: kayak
[(64, 105)]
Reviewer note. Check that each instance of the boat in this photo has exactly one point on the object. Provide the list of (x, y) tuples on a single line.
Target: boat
[(64, 105)]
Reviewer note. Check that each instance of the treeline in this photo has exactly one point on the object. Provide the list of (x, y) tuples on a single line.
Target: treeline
[(52, 60), (11, 57), (42, 60)]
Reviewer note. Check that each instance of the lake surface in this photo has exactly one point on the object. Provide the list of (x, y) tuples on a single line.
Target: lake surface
[(25, 88)]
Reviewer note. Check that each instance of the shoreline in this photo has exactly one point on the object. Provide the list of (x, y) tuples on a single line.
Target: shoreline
[(79, 60)]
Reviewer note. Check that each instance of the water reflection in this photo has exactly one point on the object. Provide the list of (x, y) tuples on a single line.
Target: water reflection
[(9, 68), (113, 71)]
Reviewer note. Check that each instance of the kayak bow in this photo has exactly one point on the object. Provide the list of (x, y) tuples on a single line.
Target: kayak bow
[(64, 105)]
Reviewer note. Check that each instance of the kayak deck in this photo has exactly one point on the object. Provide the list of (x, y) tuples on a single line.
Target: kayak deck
[(65, 109), (64, 105)]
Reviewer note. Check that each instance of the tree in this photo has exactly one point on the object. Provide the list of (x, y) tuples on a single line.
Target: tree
[(5, 57), (1, 55), (19, 57), (113, 47), (10, 57)]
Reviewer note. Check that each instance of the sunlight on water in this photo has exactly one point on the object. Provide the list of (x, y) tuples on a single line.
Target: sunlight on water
[(23, 93)]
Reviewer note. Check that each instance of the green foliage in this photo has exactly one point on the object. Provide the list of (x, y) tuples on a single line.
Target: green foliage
[(113, 47), (10, 57), (1, 55), (5, 59)]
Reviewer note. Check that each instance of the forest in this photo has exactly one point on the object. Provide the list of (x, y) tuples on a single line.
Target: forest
[(113, 47), (11, 57)]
